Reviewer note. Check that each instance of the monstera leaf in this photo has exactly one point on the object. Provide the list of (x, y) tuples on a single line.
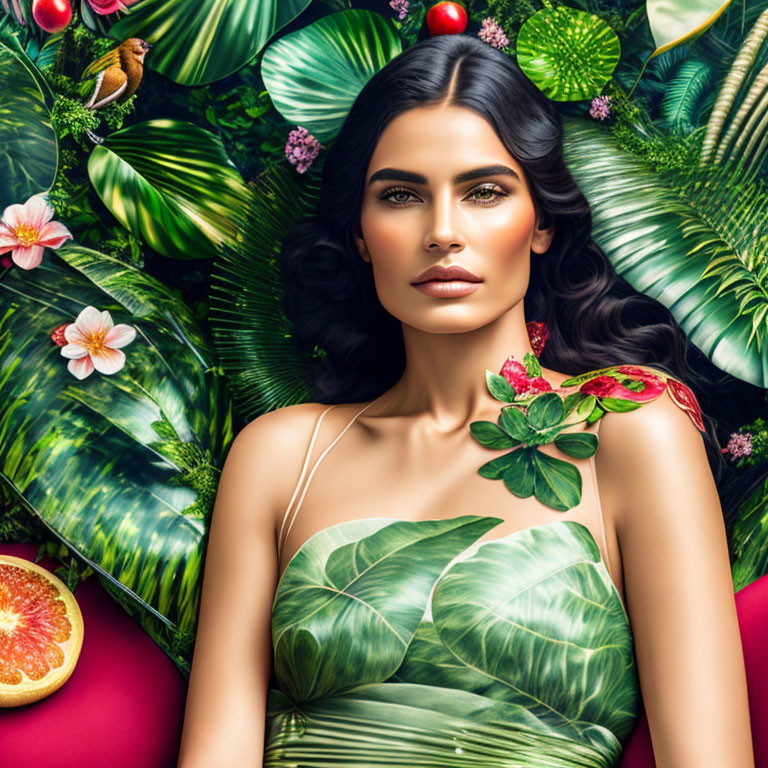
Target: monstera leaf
[(194, 43), (340, 597), (314, 74), (122, 468), (172, 184), (670, 236), (29, 153)]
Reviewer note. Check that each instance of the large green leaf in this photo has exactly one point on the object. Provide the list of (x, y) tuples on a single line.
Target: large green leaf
[(171, 183), (255, 344), (403, 725), (29, 152), (569, 54), (336, 601), (314, 74), (748, 537), (488, 614), (122, 468), (689, 239), (200, 41)]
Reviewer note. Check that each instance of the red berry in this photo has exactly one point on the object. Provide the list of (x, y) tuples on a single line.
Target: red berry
[(58, 337), (446, 19), (51, 15)]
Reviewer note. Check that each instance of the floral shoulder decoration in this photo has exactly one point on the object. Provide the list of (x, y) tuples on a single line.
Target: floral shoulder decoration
[(538, 413)]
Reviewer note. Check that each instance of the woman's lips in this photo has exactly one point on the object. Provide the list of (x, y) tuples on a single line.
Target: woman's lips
[(447, 289)]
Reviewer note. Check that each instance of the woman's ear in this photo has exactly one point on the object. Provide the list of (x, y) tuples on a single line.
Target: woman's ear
[(542, 238), (361, 247)]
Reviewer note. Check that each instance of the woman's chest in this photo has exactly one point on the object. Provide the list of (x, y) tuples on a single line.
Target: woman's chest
[(412, 477)]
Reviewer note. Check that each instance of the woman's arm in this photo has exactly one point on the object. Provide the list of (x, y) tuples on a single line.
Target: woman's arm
[(679, 588), (226, 702)]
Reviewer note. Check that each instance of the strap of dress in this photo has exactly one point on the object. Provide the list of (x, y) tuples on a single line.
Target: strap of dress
[(599, 507), (281, 538)]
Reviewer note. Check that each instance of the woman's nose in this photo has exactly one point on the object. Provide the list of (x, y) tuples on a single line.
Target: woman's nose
[(444, 225)]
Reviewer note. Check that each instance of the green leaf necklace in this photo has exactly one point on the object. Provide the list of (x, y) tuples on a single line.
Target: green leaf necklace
[(536, 414)]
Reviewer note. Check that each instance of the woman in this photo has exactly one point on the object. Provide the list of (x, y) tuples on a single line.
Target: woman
[(420, 614)]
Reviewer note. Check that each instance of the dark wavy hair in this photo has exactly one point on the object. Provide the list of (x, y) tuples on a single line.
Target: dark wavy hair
[(595, 318)]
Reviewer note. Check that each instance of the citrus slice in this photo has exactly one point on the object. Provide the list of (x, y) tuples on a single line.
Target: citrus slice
[(41, 632)]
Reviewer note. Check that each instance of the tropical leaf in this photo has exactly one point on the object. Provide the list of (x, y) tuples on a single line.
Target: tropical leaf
[(487, 613), (569, 54), (692, 239), (336, 601), (746, 128), (545, 411), (255, 344), (673, 22), (580, 445), (403, 725), (29, 152), (194, 43), (171, 183), (490, 435), (123, 469), (314, 74), (557, 483), (684, 95), (520, 475), (748, 538)]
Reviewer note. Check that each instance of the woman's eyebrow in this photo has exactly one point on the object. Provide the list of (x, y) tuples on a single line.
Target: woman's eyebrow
[(395, 174)]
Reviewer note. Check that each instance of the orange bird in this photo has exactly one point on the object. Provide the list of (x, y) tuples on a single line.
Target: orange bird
[(113, 77)]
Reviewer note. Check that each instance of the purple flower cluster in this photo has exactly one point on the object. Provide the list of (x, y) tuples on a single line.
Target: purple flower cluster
[(401, 6), (739, 445), (491, 32), (601, 107), (301, 148)]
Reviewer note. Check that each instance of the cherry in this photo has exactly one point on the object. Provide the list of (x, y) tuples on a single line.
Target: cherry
[(446, 19), (51, 15)]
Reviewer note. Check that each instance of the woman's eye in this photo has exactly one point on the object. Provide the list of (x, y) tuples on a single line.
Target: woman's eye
[(496, 193)]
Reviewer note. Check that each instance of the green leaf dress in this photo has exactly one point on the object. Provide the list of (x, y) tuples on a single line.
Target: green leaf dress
[(410, 643)]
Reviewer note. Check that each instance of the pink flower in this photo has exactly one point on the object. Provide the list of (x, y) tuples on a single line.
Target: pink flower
[(600, 107), (401, 6), (514, 372), (26, 230), (93, 343), (301, 148), (739, 445), (104, 7), (490, 32)]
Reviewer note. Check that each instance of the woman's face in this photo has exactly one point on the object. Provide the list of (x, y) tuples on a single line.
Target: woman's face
[(431, 198)]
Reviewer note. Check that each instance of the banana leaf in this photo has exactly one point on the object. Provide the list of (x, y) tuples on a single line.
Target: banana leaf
[(121, 468), (689, 239), (171, 183), (201, 41), (29, 151)]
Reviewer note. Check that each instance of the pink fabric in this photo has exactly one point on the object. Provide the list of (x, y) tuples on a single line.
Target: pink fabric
[(123, 706), (752, 610)]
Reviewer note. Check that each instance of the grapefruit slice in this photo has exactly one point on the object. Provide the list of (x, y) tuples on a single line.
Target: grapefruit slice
[(41, 632)]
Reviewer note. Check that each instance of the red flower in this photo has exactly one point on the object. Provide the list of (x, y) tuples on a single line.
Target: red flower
[(538, 333), (58, 337), (608, 386), (514, 372)]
